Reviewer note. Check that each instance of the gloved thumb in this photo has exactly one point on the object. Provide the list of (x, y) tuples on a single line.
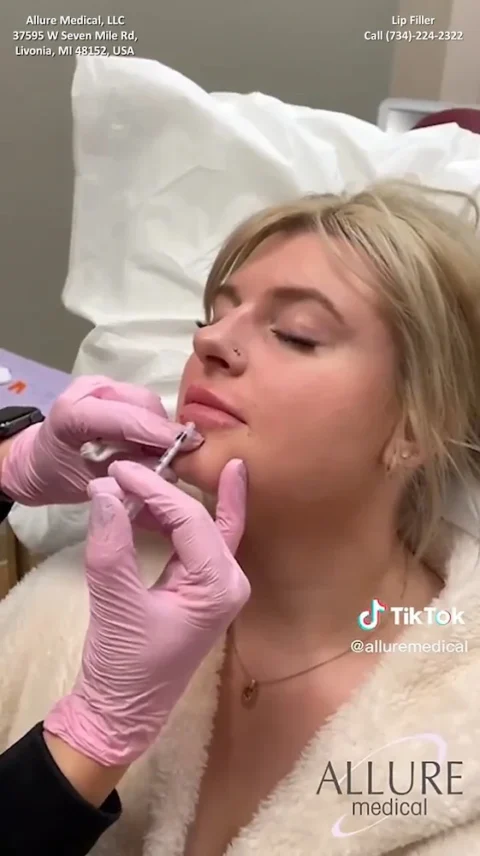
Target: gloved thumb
[(110, 551), (231, 503)]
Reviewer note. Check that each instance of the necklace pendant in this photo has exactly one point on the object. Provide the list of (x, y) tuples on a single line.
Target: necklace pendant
[(250, 694)]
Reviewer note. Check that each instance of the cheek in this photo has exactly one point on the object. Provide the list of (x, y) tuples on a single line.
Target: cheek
[(353, 401), (327, 420), (344, 392)]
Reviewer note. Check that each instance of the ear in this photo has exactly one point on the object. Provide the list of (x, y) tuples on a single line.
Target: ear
[(409, 455), (409, 451), (402, 450)]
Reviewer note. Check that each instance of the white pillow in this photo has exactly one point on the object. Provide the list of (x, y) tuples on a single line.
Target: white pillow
[(164, 171)]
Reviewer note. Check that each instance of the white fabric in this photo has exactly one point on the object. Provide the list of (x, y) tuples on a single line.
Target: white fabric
[(49, 528), (164, 171)]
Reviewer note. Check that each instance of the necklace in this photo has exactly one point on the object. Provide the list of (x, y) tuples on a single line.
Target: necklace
[(251, 689)]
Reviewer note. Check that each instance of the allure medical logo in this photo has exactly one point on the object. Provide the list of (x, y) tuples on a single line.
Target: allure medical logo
[(399, 792)]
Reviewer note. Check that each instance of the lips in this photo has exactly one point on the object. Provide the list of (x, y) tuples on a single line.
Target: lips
[(206, 409), (199, 395)]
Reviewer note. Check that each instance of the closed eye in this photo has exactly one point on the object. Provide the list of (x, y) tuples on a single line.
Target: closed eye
[(296, 341), (289, 339)]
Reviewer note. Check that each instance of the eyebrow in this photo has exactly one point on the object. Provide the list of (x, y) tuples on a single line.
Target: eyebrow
[(286, 294)]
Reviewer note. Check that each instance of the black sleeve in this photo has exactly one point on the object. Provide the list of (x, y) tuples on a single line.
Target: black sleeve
[(40, 811), (4, 509)]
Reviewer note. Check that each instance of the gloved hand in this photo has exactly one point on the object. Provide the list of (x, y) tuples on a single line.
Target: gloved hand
[(44, 465), (143, 645)]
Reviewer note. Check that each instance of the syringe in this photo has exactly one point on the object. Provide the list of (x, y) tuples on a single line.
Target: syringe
[(99, 451), (133, 504)]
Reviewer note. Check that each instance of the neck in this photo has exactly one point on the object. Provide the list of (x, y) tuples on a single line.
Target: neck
[(312, 574)]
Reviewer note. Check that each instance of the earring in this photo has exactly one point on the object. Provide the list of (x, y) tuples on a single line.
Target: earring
[(392, 462)]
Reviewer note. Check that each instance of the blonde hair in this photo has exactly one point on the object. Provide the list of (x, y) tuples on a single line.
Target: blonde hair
[(427, 265)]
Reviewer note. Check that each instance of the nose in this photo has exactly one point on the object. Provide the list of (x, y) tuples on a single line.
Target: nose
[(217, 347)]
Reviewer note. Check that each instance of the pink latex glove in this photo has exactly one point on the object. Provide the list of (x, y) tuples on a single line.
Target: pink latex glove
[(143, 645), (44, 465)]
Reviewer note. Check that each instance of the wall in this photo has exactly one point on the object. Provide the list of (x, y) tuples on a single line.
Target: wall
[(439, 70), (309, 51)]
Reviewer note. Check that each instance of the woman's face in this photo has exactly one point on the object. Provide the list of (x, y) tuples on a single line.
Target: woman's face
[(298, 347)]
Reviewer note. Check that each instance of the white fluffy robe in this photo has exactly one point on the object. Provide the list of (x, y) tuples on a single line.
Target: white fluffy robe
[(42, 627)]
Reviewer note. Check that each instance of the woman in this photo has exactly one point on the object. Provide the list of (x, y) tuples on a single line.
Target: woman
[(340, 361)]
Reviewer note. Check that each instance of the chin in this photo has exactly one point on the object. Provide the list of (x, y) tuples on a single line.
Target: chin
[(203, 467)]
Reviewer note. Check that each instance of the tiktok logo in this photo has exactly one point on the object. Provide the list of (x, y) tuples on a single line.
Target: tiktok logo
[(368, 620)]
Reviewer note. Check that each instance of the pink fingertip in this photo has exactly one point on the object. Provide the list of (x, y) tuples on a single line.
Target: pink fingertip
[(104, 486), (103, 513), (241, 469)]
